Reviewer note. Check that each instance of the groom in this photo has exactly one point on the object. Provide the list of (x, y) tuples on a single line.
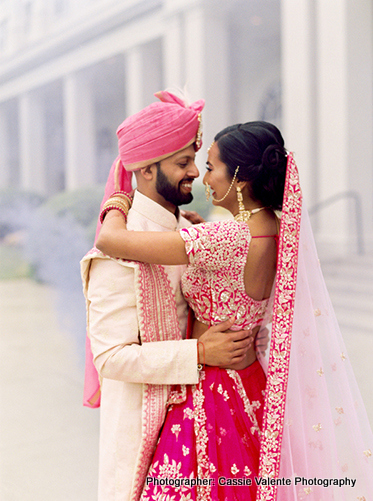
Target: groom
[(136, 313)]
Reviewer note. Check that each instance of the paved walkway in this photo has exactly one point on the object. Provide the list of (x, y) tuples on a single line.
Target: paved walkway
[(48, 441)]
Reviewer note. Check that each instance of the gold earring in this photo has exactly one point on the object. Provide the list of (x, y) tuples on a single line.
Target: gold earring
[(207, 192), (243, 214)]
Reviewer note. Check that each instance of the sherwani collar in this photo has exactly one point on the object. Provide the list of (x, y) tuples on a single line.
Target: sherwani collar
[(155, 212)]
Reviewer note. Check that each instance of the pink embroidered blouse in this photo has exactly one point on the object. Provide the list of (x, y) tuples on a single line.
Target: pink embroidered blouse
[(213, 283)]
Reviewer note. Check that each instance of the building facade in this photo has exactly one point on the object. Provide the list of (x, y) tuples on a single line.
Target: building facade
[(70, 72)]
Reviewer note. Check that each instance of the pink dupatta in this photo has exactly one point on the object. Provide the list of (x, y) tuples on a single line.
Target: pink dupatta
[(119, 179), (316, 439)]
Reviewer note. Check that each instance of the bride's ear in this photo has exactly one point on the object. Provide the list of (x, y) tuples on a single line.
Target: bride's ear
[(241, 184)]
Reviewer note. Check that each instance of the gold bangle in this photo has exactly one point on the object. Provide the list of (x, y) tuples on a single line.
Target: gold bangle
[(111, 204), (116, 201), (119, 199)]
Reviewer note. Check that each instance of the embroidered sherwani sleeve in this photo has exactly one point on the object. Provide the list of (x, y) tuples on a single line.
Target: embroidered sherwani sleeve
[(114, 333)]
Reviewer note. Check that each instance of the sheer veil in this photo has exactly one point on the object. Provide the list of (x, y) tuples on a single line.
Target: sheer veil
[(316, 435)]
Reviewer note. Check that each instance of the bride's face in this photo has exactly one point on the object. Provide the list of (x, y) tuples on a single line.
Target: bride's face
[(217, 176)]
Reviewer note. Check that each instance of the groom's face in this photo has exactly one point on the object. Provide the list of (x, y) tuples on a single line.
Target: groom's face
[(175, 176)]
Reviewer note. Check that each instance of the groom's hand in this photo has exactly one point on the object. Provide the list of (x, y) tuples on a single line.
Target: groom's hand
[(192, 216), (223, 348)]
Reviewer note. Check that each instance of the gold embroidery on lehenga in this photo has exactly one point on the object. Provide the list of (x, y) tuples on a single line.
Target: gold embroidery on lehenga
[(176, 428), (317, 427), (250, 407), (234, 469), (186, 450), (247, 471), (170, 470), (203, 464), (188, 413), (223, 393), (161, 492)]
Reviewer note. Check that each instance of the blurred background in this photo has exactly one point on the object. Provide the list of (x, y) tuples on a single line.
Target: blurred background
[(70, 73)]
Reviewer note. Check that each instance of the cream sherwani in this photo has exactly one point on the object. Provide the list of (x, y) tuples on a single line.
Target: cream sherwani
[(130, 368)]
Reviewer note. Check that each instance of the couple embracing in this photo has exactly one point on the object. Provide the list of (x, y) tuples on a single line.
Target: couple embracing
[(189, 408)]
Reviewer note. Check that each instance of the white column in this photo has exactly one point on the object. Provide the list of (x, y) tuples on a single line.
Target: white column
[(328, 109), (134, 84), (173, 52), (207, 68), (345, 125), (4, 149), (332, 124), (299, 80), (152, 64), (32, 143), (195, 52), (360, 109), (80, 140)]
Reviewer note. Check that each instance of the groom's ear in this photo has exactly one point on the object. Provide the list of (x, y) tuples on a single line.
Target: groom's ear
[(149, 172)]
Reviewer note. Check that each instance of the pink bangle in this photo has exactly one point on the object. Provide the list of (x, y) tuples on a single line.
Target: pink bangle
[(111, 207)]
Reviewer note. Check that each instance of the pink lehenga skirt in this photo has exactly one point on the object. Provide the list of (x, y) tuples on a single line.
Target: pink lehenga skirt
[(209, 445)]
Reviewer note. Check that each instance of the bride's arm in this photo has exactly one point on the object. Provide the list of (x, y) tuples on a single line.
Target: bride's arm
[(156, 247)]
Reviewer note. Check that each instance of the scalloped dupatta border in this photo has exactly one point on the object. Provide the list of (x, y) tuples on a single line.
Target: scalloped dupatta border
[(283, 309), (158, 321)]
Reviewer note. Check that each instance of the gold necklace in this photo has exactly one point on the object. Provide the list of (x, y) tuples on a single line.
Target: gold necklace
[(244, 215)]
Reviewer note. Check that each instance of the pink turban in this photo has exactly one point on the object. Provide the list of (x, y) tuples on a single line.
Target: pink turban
[(159, 130)]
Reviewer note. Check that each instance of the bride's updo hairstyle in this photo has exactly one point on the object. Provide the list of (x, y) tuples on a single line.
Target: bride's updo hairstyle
[(258, 148)]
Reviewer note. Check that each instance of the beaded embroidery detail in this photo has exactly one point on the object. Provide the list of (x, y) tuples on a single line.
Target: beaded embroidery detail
[(278, 369), (213, 284), (156, 324)]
